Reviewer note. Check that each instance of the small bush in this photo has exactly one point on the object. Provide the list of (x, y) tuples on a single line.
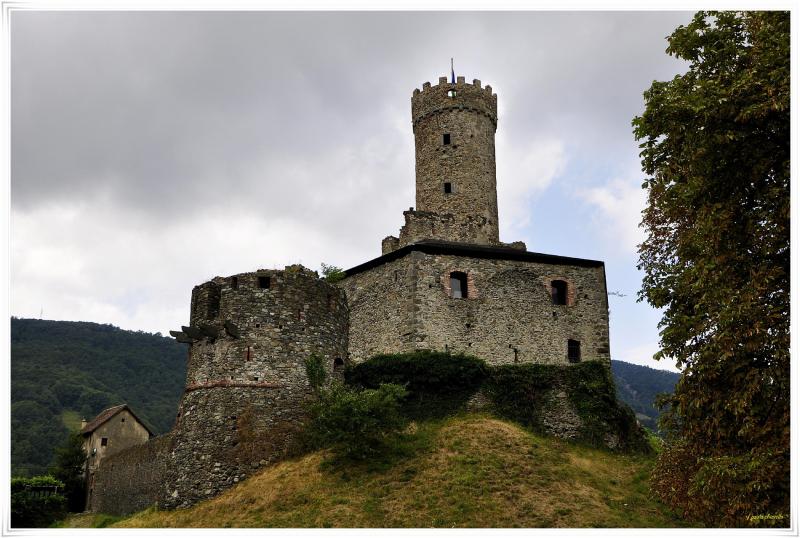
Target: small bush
[(32, 508), (438, 383), (315, 371), (357, 424)]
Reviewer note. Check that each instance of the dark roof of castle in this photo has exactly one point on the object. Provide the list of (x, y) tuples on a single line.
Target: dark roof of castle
[(472, 251), (107, 415)]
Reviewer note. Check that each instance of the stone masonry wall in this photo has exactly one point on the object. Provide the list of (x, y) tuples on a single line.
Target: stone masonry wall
[(245, 394), (133, 479), (508, 315)]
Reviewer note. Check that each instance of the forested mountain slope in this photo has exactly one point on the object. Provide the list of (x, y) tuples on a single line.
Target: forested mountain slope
[(62, 371)]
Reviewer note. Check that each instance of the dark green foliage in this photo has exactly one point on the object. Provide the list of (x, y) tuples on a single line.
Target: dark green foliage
[(521, 392), (639, 386), (438, 383), (357, 424), (315, 371), (59, 366), (331, 273), (68, 467), (715, 143), (33, 508)]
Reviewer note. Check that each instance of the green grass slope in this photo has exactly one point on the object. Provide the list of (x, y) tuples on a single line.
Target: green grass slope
[(467, 471), (62, 371)]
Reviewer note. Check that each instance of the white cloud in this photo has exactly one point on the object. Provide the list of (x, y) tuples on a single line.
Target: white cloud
[(618, 209), (524, 172), (642, 355)]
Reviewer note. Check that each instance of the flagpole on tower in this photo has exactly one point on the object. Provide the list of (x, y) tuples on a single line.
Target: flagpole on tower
[(452, 73)]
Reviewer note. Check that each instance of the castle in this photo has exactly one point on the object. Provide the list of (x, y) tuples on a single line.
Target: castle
[(446, 283)]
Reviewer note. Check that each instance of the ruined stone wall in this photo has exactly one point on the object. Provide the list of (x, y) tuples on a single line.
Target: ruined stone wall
[(131, 480), (245, 394), (467, 115), (424, 225), (508, 315)]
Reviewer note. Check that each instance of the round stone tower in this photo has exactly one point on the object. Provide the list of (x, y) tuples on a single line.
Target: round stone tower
[(246, 388), (454, 127)]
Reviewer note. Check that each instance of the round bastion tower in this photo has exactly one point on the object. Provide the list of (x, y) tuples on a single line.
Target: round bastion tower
[(456, 180), (246, 383)]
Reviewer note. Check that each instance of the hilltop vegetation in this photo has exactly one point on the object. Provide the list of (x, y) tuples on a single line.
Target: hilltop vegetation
[(62, 371), (464, 471)]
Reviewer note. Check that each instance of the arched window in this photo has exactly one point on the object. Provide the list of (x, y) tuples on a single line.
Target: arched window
[(458, 285), (558, 291), (338, 364)]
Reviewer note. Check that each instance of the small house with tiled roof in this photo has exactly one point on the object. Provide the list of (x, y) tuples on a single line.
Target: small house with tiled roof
[(112, 431)]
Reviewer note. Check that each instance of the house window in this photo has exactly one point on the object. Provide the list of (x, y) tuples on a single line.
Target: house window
[(263, 282), (574, 350), (448, 188), (558, 291), (234, 282), (458, 285), (123, 419), (104, 441), (446, 139)]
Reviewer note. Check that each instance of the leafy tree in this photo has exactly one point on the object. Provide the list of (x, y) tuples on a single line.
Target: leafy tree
[(331, 273), (715, 142), (68, 467)]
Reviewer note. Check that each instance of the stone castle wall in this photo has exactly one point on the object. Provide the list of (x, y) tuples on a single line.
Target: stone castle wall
[(246, 388), (133, 479), (508, 315)]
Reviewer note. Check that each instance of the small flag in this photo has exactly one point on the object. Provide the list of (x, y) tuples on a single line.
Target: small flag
[(452, 72)]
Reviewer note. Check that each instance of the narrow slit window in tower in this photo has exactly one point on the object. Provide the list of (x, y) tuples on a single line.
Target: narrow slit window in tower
[(446, 139), (558, 290), (263, 282), (234, 282), (458, 284), (574, 350), (448, 187)]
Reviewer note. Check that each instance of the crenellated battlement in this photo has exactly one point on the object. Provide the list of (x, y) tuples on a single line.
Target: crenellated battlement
[(446, 96)]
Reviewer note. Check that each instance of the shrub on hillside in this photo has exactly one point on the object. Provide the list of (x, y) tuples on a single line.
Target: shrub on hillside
[(357, 424), (522, 392), (37, 502), (438, 383)]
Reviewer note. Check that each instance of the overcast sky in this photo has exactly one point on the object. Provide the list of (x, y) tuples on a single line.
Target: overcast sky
[(153, 151)]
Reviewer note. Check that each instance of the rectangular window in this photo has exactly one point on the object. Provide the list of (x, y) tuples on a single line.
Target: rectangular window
[(234, 282), (448, 188), (446, 139), (263, 282), (574, 350), (104, 441), (458, 285)]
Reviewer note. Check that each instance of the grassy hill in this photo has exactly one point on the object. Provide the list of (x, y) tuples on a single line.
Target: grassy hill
[(467, 471), (62, 371)]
